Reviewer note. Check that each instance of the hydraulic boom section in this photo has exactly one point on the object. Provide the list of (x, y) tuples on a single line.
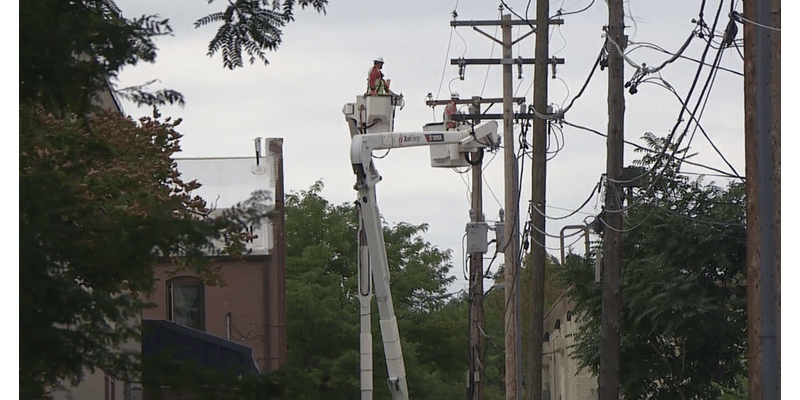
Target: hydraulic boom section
[(371, 120)]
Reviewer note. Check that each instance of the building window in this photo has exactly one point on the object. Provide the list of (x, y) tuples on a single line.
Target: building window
[(185, 302)]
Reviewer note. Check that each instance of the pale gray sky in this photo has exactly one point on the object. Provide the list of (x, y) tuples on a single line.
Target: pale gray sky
[(323, 63)]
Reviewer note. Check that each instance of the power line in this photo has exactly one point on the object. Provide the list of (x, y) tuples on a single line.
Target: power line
[(595, 190), (659, 48), (517, 15), (704, 98), (701, 24), (568, 209), (446, 60), (561, 13), (669, 87), (491, 53), (698, 220), (697, 123), (586, 83), (722, 173), (742, 19)]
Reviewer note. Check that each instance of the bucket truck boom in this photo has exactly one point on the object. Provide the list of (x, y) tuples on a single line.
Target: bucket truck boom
[(371, 120)]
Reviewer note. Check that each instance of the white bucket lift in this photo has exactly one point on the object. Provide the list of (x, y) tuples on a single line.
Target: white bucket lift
[(454, 154), (371, 121), (375, 113)]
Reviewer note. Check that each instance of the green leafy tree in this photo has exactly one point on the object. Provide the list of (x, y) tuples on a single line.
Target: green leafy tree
[(101, 201), (252, 26), (100, 195), (683, 315), (494, 327), (71, 50), (68, 50), (495, 304), (323, 310)]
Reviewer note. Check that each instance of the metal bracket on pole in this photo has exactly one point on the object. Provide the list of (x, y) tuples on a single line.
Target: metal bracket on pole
[(584, 228), (501, 61), (552, 21)]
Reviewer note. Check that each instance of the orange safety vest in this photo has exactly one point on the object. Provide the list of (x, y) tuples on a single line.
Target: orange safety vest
[(375, 84)]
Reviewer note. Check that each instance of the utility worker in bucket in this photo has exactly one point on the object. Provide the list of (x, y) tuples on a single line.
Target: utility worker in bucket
[(449, 110), (376, 85)]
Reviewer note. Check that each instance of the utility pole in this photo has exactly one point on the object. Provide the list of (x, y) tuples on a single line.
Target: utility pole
[(476, 314), (538, 189), (612, 234), (513, 344), (476, 362), (511, 253), (762, 158)]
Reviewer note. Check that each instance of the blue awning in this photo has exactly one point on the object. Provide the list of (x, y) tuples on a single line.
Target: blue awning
[(184, 344)]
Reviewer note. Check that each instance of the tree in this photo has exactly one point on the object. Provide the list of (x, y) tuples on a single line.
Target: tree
[(252, 26), (70, 50), (101, 196), (323, 309), (102, 199), (683, 316), (494, 327)]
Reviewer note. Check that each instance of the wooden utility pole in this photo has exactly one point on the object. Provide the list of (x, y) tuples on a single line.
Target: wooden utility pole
[(612, 233), (538, 189), (511, 235), (513, 344), (762, 157), (477, 342)]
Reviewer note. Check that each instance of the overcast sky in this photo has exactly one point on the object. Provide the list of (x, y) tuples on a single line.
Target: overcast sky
[(323, 63)]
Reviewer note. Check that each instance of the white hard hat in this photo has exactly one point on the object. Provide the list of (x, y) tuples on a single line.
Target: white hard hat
[(378, 59), (454, 95)]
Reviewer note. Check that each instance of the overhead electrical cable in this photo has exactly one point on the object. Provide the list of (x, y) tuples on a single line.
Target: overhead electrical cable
[(701, 23), (722, 173), (517, 15), (742, 18), (586, 83), (697, 121), (702, 99), (669, 87), (491, 53), (446, 59), (630, 229), (659, 48), (561, 13)]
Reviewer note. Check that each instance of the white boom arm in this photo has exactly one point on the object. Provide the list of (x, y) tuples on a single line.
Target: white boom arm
[(373, 264), (362, 146)]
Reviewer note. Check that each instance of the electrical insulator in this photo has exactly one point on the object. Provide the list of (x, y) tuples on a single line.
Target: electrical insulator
[(500, 236), (598, 268)]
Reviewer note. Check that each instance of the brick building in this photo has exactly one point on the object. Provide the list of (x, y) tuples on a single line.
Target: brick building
[(250, 309)]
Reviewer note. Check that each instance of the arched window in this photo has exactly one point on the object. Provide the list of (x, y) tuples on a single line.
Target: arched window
[(558, 324), (186, 302)]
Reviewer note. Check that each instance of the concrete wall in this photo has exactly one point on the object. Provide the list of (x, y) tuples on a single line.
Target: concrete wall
[(92, 387), (560, 371), (94, 384)]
